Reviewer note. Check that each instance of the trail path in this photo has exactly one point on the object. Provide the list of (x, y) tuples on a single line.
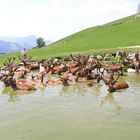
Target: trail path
[(131, 47)]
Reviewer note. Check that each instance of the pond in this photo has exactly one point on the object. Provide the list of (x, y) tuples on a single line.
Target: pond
[(77, 112)]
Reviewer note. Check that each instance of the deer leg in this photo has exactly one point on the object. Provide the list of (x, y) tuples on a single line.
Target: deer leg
[(98, 79), (121, 72), (136, 68), (13, 85), (99, 70)]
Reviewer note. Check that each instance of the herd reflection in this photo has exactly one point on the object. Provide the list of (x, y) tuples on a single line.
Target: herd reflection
[(82, 89)]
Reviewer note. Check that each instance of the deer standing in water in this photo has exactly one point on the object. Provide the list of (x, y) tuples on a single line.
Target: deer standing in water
[(111, 81)]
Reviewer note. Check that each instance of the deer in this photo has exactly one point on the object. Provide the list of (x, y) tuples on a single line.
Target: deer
[(26, 67), (8, 70), (23, 84), (95, 65), (33, 84), (136, 64), (116, 67), (109, 81), (121, 85), (91, 75), (9, 64), (60, 68), (21, 71), (9, 77), (60, 81)]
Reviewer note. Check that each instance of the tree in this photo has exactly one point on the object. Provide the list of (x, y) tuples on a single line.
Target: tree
[(40, 42), (138, 10)]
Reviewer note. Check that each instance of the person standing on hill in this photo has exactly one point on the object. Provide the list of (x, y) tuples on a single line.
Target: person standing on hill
[(23, 53)]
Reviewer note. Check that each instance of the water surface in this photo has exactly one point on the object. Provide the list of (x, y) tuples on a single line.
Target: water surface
[(77, 112)]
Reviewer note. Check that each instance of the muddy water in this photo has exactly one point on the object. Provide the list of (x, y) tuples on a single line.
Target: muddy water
[(78, 112)]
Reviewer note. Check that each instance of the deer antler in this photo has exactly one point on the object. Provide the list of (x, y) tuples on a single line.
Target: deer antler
[(118, 77), (9, 62), (64, 80), (25, 60), (73, 58)]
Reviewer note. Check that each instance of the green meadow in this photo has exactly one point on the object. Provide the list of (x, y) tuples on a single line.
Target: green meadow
[(100, 39)]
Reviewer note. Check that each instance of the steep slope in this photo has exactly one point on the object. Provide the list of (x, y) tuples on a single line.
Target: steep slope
[(120, 33)]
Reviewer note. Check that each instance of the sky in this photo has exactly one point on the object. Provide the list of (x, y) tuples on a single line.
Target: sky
[(55, 19)]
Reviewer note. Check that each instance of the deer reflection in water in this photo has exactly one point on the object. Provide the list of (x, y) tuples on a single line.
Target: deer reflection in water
[(109, 98), (14, 96), (76, 89)]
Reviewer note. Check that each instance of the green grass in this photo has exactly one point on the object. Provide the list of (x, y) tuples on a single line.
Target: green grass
[(108, 37)]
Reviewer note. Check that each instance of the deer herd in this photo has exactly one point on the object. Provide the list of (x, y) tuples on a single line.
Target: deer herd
[(29, 75)]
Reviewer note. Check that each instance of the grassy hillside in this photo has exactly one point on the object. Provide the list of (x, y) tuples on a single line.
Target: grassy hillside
[(120, 33)]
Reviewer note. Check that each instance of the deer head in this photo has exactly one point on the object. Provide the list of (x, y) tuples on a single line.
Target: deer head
[(25, 60)]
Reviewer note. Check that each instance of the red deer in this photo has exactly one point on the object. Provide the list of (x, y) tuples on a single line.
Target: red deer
[(95, 64), (21, 72), (61, 80), (136, 64), (91, 76), (121, 85), (26, 67), (23, 84), (109, 81), (72, 79), (61, 68), (114, 68), (74, 70)]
